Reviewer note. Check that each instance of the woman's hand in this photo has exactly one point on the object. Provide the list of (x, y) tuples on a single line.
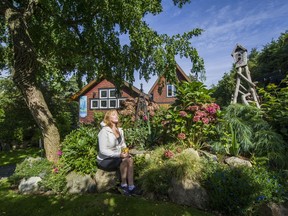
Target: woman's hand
[(124, 155)]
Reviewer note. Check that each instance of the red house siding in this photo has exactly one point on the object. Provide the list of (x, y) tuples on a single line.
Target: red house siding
[(93, 92), (159, 89)]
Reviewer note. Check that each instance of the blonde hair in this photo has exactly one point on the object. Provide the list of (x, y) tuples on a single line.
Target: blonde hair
[(107, 117)]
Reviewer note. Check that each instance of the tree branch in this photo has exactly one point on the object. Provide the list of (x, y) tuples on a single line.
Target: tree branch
[(30, 8)]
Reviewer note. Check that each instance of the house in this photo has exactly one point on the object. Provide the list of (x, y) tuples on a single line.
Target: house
[(164, 93), (100, 95)]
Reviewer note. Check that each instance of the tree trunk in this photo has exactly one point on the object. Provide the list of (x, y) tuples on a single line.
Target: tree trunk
[(24, 71)]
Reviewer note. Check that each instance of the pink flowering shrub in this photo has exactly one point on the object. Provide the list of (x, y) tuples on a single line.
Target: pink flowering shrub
[(193, 117), (168, 154)]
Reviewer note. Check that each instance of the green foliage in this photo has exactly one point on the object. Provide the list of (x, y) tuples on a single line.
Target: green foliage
[(272, 62), (98, 118), (31, 167), (275, 106), (224, 89), (238, 191), (137, 136), (55, 181), (158, 171), (192, 117), (17, 124), (79, 150), (246, 126)]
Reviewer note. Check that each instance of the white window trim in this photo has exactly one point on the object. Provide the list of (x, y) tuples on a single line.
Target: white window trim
[(102, 90), (110, 94), (173, 90), (101, 107), (119, 102), (91, 104), (115, 103)]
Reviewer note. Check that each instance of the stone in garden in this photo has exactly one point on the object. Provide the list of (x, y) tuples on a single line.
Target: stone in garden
[(77, 183), (188, 192), (29, 186), (192, 152), (106, 180), (273, 209), (235, 162)]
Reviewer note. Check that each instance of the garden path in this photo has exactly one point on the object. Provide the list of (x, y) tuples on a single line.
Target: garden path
[(7, 170)]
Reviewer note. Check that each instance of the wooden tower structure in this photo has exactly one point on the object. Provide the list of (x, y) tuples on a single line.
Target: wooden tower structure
[(244, 85)]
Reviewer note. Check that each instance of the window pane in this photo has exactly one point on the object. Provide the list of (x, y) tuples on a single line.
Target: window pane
[(112, 103), (103, 104), (112, 93), (94, 104), (103, 94), (169, 90)]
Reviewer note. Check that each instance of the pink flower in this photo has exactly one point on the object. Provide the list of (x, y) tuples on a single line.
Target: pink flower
[(196, 118), (181, 136), (200, 113), (55, 170), (168, 154), (59, 153), (145, 118), (182, 113), (205, 120), (193, 108)]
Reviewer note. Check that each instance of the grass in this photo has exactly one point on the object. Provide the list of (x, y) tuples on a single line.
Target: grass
[(17, 155), (109, 204), (89, 204)]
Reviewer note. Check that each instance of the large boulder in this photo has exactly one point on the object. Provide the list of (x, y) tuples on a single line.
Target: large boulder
[(188, 192), (30, 185), (235, 162), (273, 209), (106, 180), (77, 183)]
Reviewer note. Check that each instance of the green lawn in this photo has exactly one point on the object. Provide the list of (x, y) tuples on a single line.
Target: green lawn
[(89, 204), (17, 155), (12, 203)]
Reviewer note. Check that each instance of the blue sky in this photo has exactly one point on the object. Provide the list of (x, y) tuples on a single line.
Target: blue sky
[(251, 23)]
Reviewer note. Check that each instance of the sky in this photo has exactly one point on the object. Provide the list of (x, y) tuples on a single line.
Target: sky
[(250, 23)]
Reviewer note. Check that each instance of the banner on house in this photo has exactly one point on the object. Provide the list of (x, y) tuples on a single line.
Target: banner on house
[(83, 106)]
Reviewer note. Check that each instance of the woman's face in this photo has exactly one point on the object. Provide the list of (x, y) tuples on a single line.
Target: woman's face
[(114, 117)]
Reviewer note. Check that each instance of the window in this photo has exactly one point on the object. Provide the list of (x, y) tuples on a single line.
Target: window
[(120, 102), (112, 103), (94, 104), (112, 93), (103, 93), (104, 104), (171, 90), (107, 99)]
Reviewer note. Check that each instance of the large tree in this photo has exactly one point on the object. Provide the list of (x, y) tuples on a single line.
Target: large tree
[(44, 40)]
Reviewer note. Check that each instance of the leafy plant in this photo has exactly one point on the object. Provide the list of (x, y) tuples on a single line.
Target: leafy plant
[(159, 170), (242, 129), (79, 150), (237, 191), (191, 119), (31, 167)]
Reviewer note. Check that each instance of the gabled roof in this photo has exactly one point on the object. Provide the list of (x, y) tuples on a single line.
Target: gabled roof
[(178, 68), (93, 83), (237, 48)]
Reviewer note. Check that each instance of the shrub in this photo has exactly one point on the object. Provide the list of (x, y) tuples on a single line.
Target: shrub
[(159, 170), (79, 150), (31, 167), (192, 116), (243, 130), (237, 191)]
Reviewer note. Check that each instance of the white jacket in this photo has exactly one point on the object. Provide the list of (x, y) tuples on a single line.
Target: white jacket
[(108, 143)]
